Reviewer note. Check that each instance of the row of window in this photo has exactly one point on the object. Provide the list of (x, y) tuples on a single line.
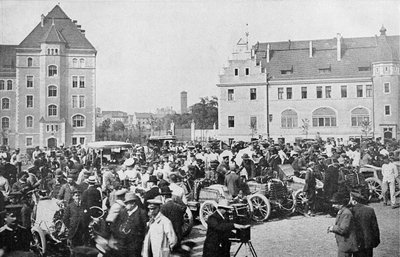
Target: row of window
[(75, 62), (78, 121), (78, 101), (77, 82), (321, 117), (253, 94), (29, 141), (3, 85)]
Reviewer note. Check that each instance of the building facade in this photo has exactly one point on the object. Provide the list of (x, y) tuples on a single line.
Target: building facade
[(53, 76), (342, 88)]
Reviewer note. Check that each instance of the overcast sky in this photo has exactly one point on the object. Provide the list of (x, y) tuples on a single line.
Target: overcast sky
[(150, 51)]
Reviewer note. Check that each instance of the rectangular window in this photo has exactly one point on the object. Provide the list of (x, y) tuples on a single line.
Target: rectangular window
[(74, 101), (74, 81), (74, 140), (343, 91), (367, 68), (29, 81), (81, 82), (247, 71), (386, 87), (231, 121), (289, 93), (387, 110), (29, 141), (324, 70), (29, 101), (231, 95), (319, 92), (368, 90), (236, 72), (263, 70), (81, 101), (5, 141), (303, 92), (359, 91), (253, 122), (258, 63), (286, 72), (253, 94), (82, 140), (280, 93), (328, 90)]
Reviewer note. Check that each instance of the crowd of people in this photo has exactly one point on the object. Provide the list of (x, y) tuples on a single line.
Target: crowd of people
[(144, 197)]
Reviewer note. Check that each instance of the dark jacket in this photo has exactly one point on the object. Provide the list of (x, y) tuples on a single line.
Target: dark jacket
[(310, 182), (217, 239), (65, 193), (18, 239), (366, 226), (73, 218), (151, 194), (174, 212), (331, 182), (345, 232), (91, 197), (232, 183)]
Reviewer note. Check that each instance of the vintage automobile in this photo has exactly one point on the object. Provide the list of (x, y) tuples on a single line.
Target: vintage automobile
[(110, 151)]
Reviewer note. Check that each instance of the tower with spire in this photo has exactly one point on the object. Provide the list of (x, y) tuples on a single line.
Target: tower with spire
[(54, 100)]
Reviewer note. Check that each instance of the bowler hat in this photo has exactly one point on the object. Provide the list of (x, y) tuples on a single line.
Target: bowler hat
[(153, 179)]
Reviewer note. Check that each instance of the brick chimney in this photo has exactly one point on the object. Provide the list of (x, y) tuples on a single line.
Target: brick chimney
[(268, 49), (310, 51), (339, 46), (42, 20)]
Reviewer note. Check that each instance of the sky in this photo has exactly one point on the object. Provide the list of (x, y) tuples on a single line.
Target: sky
[(150, 51)]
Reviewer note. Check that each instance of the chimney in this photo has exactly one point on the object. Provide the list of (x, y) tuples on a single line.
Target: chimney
[(42, 20), (290, 42), (74, 21), (268, 52), (83, 31), (339, 46), (310, 50), (79, 26)]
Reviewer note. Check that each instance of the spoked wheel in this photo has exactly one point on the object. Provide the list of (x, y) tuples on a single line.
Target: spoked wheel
[(261, 207), (206, 209), (187, 222), (37, 244), (301, 199), (375, 188), (289, 203)]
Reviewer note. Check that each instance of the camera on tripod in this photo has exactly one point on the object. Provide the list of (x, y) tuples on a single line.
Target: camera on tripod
[(240, 215)]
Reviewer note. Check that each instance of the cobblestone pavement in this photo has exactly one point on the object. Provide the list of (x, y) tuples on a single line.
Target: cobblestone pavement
[(307, 237)]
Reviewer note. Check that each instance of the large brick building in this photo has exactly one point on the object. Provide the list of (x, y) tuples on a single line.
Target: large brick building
[(47, 86), (334, 84)]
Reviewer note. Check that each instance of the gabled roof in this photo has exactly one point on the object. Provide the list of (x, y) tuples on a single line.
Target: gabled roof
[(64, 29), (7, 60), (356, 53)]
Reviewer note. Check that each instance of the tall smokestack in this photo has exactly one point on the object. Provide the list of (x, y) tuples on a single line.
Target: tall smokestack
[(184, 102)]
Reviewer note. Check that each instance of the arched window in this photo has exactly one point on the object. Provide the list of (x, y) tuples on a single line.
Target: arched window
[(5, 104), (358, 116), (82, 63), (30, 62), (289, 119), (9, 84), (29, 121), (52, 91), (75, 63), (5, 123), (1, 84), (78, 121), (324, 117), (52, 70), (52, 110)]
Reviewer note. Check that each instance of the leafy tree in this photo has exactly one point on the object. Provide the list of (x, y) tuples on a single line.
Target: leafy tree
[(118, 126), (205, 113)]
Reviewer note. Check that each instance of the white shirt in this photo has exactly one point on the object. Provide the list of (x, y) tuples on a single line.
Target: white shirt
[(328, 148), (389, 172), (178, 191)]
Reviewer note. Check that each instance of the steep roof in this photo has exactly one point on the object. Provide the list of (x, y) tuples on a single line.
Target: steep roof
[(356, 53), (62, 30), (7, 60)]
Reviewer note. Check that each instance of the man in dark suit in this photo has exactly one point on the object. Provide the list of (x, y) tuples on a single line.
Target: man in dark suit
[(153, 191), (232, 180), (73, 220), (91, 196), (367, 228), (66, 190), (174, 212), (130, 228), (218, 232)]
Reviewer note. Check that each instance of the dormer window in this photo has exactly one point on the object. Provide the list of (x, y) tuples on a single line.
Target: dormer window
[(324, 70), (366, 68), (236, 72), (287, 71), (30, 62)]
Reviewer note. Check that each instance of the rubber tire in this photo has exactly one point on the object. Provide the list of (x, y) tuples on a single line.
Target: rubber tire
[(292, 199), (187, 222), (375, 187), (207, 208), (261, 207), (38, 247), (299, 195)]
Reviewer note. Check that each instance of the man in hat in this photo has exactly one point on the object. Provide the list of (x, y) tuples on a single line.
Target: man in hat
[(130, 227), (153, 191), (92, 195), (331, 182), (174, 211), (211, 174), (309, 189), (366, 225), (222, 169), (232, 180), (117, 206), (16, 159), (66, 190), (390, 174), (55, 184), (73, 220), (176, 189), (218, 232), (132, 169), (160, 238)]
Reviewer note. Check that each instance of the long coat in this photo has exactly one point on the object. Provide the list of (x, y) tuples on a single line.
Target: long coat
[(161, 237), (345, 232), (129, 231), (366, 226), (174, 212), (73, 217), (217, 239)]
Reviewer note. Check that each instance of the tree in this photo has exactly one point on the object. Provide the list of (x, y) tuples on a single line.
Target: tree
[(366, 127), (205, 113), (102, 131), (118, 126)]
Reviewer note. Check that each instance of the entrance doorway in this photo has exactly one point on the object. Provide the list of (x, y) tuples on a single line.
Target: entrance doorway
[(51, 142), (388, 133)]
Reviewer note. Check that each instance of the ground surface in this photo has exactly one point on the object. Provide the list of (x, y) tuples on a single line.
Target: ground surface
[(293, 236)]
